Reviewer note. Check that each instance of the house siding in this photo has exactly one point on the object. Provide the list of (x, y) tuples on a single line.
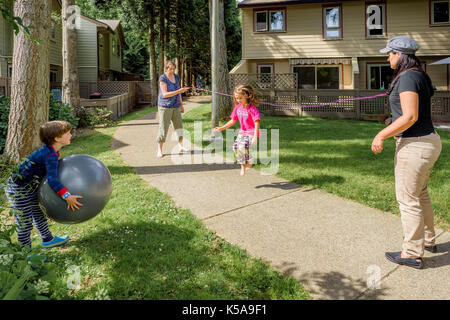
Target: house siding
[(87, 51), (303, 37), (6, 45), (56, 43)]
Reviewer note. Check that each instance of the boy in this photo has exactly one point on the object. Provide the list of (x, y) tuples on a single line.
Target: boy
[(22, 185)]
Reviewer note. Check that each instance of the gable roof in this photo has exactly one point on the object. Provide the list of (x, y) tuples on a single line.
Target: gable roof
[(266, 3), (111, 25)]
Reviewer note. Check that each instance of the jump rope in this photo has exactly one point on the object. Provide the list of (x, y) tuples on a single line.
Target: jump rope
[(297, 106)]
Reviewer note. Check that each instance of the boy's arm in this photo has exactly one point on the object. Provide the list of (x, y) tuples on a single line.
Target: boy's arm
[(51, 165)]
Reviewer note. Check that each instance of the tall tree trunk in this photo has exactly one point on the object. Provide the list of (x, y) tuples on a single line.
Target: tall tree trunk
[(221, 105), (152, 63), (181, 71), (161, 37), (70, 83), (167, 31), (30, 79)]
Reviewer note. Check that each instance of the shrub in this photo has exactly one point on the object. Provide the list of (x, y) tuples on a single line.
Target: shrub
[(97, 117), (57, 111), (4, 116), (62, 111)]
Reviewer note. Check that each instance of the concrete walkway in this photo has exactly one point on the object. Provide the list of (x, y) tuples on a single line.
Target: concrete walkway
[(334, 247)]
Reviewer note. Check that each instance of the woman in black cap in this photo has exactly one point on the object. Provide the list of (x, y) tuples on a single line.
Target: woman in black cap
[(418, 147)]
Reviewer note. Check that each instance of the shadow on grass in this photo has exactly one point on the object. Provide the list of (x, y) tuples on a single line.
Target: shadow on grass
[(320, 180), (149, 260)]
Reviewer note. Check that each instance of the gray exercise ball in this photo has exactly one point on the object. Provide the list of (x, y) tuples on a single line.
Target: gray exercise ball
[(82, 175)]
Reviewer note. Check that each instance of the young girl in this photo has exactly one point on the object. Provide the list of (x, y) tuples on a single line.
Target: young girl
[(22, 185), (245, 111)]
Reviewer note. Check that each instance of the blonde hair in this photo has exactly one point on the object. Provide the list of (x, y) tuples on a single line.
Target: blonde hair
[(248, 92), (169, 63)]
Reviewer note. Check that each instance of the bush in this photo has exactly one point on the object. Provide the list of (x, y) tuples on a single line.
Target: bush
[(4, 117), (97, 117), (57, 111), (62, 111)]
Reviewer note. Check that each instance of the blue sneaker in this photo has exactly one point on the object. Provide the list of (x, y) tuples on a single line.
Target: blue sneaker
[(57, 241)]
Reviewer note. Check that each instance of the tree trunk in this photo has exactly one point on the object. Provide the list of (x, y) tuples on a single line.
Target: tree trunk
[(70, 83), (152, 63), (221, 105), (30, 80), (167, 31), (181, 71), (161, 38)]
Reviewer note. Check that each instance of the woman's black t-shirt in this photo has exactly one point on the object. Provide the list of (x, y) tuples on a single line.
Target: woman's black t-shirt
[(413, 80)]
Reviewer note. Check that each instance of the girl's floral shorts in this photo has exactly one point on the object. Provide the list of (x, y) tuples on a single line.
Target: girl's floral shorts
[(241, 149)]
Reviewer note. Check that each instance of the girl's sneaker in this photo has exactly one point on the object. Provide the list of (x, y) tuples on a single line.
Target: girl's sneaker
[(57, 241)]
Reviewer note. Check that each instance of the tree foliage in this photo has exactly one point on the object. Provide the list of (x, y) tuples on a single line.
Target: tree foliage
[(188, 24)]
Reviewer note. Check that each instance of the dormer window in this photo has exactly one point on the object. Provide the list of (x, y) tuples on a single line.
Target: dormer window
[(272, 20), (375, 20), (440, 12), (332, 26)]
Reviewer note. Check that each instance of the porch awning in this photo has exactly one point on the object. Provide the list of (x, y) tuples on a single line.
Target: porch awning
[(320, 61)]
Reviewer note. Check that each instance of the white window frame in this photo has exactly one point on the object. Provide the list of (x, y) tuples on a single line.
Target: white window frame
[(325, 28), (432, 13), (315, 72), (264, 65), (268, 14), (383, 15)]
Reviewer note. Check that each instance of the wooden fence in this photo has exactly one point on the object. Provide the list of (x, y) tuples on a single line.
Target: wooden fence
[(281, 89), (118, 96)]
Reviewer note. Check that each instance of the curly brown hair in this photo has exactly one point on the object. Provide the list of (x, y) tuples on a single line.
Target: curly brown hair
[(248, 92), (53, 129)]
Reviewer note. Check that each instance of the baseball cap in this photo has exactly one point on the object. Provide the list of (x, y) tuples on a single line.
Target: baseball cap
[(401, 44)]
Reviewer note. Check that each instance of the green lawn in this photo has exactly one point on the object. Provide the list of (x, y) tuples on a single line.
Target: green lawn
[(335, 155), (142, 246)]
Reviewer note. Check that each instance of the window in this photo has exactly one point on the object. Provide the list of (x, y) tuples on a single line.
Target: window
[(375, 20), (440, 12), (53, 30), (265, 72), (380, 76), (53, 75), (118, 49), (270, 20), (9, 70), (332, 27), (317, 77), (114, 46), (100, 40)]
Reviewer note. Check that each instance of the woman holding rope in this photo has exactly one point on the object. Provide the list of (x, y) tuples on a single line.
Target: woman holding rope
[(418, 147), (170, 106)]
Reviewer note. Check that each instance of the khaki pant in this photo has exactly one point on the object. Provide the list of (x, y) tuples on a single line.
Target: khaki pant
[(166, 115), (414, 159)]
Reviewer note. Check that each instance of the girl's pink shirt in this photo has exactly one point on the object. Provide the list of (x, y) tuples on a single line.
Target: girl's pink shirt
[(247, 117)]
